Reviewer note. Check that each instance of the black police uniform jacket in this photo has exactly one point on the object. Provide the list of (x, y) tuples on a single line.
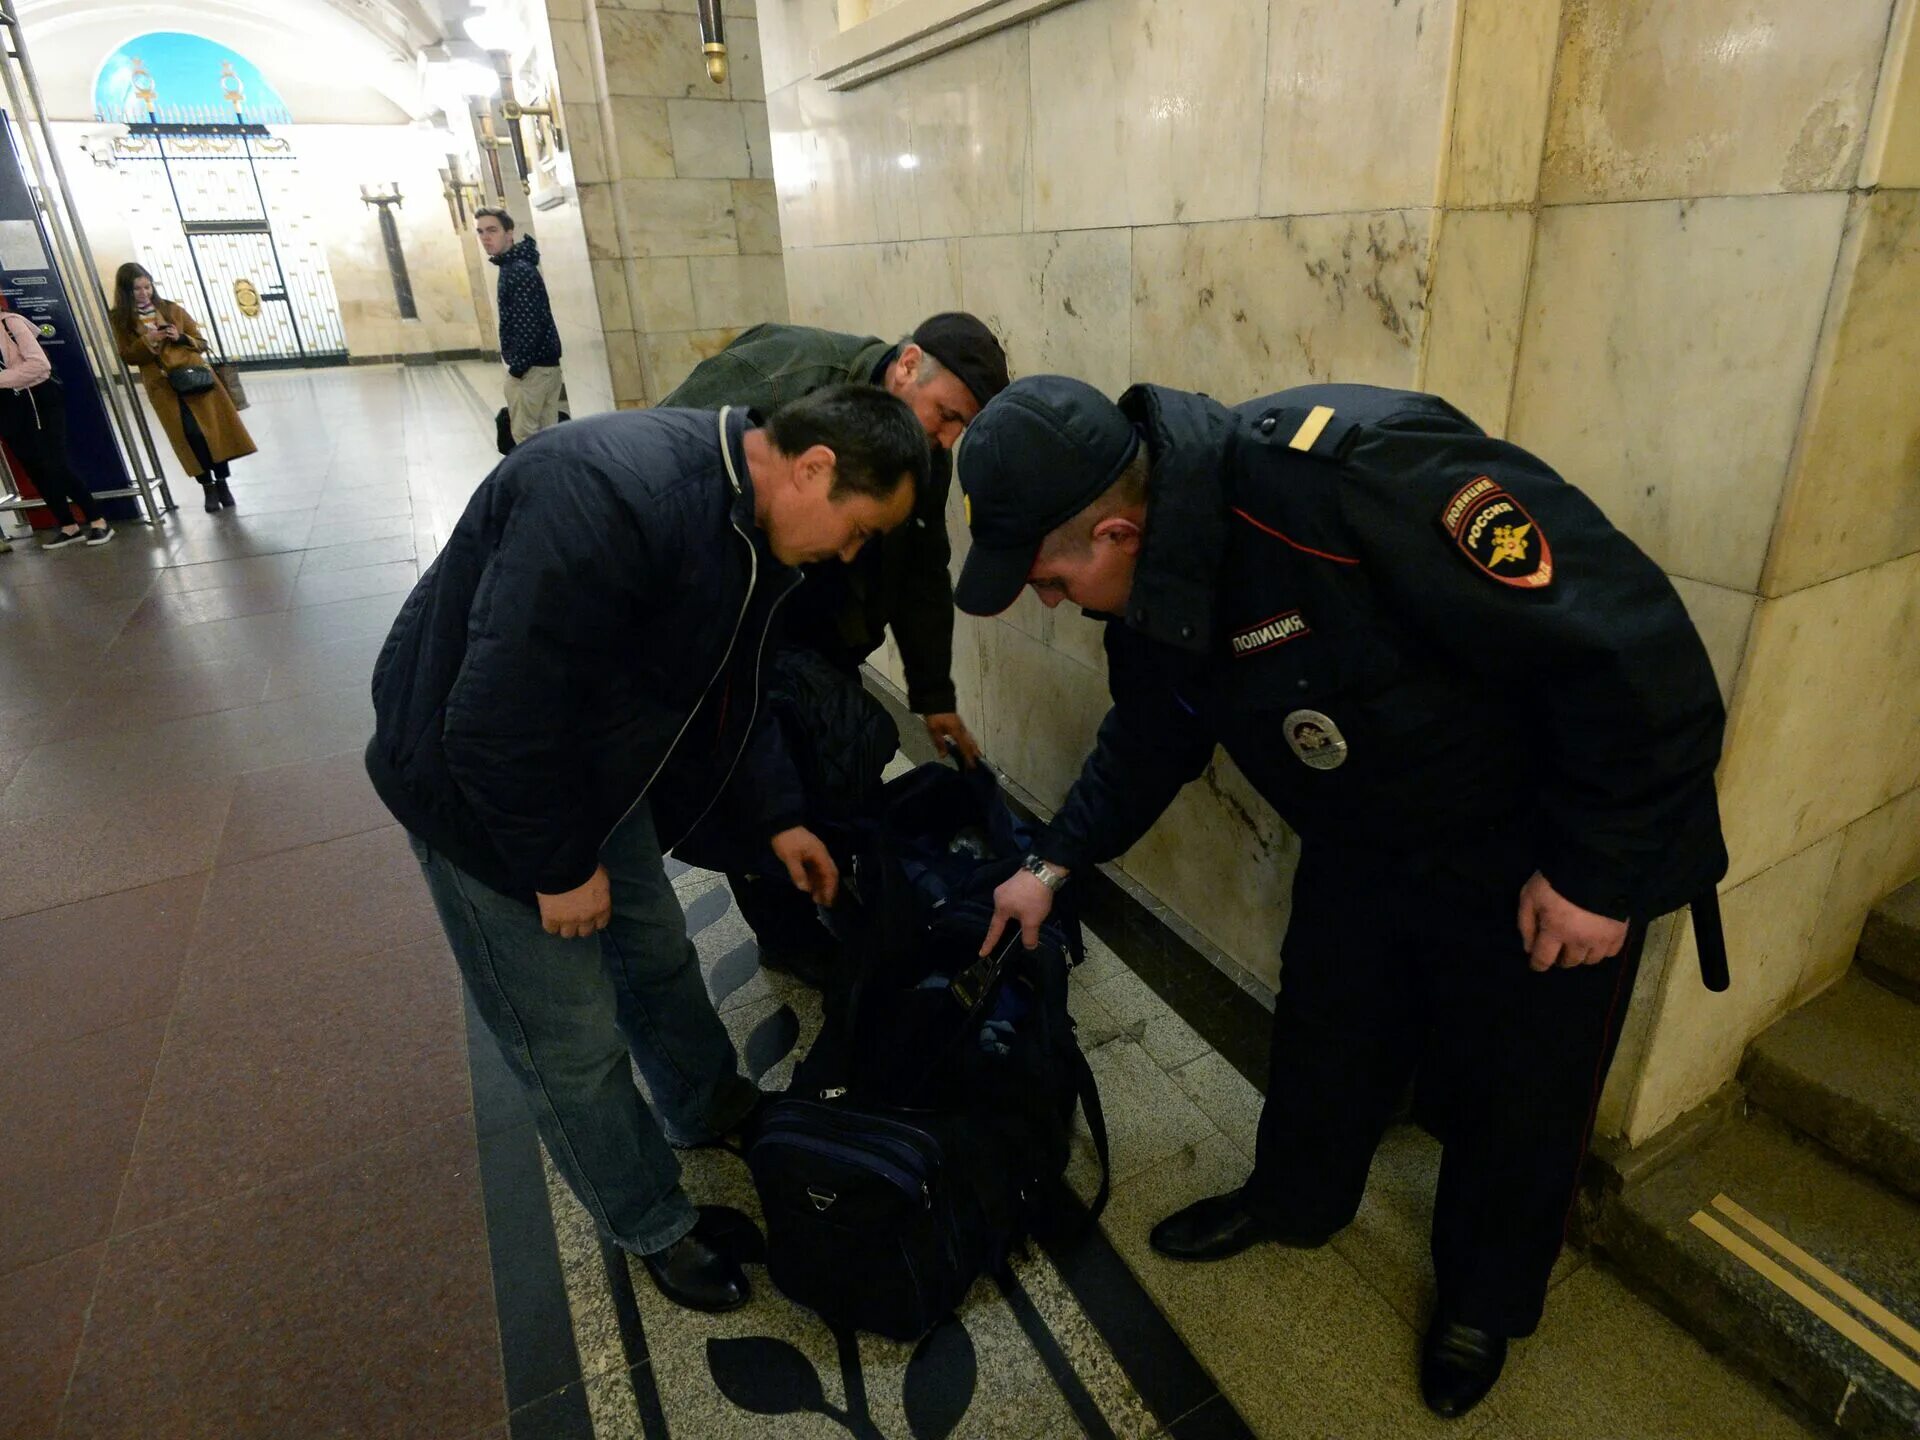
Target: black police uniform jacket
[(592, 634), (1416, 641)]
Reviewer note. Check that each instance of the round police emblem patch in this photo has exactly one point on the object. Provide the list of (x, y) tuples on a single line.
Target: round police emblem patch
[(1315, 739)]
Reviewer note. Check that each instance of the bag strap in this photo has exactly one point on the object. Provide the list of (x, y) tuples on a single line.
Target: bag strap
[(1088, 1089)]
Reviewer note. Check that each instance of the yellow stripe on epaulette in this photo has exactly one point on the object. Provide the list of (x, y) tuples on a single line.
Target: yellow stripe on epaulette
[(1311, 428)]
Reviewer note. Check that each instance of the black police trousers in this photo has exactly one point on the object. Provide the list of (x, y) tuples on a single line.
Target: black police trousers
[(1383, 972)]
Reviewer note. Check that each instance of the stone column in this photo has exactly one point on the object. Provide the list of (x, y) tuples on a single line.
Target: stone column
[(675, 187)]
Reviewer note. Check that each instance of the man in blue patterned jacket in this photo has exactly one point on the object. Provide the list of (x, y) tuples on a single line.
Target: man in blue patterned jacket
[(529, 340)]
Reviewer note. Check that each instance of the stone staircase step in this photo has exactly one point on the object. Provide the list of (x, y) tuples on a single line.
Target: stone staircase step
[(1772, 1250), (1845, 1069), (1890, 945)]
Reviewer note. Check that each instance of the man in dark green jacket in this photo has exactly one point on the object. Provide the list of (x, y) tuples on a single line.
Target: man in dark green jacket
[(948, 368)]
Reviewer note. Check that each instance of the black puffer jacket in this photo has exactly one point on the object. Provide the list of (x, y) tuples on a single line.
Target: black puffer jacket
[(593, 632)]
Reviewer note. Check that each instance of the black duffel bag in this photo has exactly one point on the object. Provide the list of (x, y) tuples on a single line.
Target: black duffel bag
[(927, 1132)]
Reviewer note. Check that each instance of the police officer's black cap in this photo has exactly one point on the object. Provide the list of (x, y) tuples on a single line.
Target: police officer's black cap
[(1042, 452), (966, 347)]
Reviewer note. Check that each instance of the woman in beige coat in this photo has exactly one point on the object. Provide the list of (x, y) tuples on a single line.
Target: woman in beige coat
[(157, 337)]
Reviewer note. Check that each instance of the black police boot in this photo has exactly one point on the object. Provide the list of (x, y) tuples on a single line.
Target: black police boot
[(691, 1273), (1219, 1226), (1458, 1365)]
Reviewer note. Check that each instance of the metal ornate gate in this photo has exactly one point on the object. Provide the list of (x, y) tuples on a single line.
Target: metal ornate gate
[(205, 200)]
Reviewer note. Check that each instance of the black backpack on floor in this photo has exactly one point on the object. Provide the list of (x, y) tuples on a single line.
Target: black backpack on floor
[(926, 1133)]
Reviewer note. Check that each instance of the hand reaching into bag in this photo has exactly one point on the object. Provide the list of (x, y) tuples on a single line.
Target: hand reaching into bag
[(1023, 900), (808, 864)]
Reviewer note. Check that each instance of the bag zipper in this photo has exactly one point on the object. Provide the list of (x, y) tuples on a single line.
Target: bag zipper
[(848, 1121), (903, 1151), (901, 1179)]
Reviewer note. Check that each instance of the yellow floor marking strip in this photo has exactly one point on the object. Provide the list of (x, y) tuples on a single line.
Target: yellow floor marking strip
[(1898, 1361), (1868, 1307)]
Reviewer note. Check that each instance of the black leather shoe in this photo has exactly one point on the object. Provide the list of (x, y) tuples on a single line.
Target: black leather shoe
[(211, 496), (693, 1274), (1458, 1365), (223, 494), (1219, 1226)]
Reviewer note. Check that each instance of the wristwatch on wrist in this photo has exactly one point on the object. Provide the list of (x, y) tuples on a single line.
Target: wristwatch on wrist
[(1048, 876)]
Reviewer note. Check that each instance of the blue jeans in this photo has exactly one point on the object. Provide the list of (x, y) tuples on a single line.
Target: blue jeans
[(568, 1015)]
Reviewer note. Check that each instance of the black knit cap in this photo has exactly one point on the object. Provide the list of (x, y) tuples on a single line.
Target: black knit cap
[(965, 346)]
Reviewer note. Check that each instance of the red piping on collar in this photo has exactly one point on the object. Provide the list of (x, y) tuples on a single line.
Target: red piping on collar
[(1304, 549)]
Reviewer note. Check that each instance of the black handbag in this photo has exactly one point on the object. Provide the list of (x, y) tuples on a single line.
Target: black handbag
[(190, 379)]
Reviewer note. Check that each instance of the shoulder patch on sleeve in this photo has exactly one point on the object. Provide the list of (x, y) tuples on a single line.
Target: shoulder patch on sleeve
[(1498, 536)]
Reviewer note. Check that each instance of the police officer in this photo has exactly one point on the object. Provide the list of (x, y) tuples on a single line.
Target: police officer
[(1484, 711), (945, 371)]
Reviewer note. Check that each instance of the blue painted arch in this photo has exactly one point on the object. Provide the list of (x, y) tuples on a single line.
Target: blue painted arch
[(176, 77)]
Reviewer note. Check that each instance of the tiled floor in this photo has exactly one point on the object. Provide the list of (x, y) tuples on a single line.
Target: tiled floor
[(258, 1179)]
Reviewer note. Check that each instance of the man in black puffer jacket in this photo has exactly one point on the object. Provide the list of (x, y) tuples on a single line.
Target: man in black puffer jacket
[(564, 696)]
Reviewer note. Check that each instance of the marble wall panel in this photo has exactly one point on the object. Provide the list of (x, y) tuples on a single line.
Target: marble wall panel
[(1723, 618), (759, 140), (1224, 862), (573, 63), (794, 147), (745, 79), (756, 217), (873, 289), (1245, 307), (1147, 112), (738, 290), (1664, 359), (678, 217), (966, 138), (1474, 305), (1853, 497), (610, 291), (1355, 105), (586, 153), (1713, 97), (650, 52), (566, 263), (1058, 302), (670, 357), (1698, 1037), (837, 164), (1879, 853), (1823, 729), (595, 204), (641, 143), (789, 31), (709, 139), (1038, 711), (661, 292), (624, 369), (1502, 82), (1893, 136)]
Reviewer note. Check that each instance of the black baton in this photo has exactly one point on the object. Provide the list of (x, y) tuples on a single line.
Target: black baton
[(1710, 940)]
